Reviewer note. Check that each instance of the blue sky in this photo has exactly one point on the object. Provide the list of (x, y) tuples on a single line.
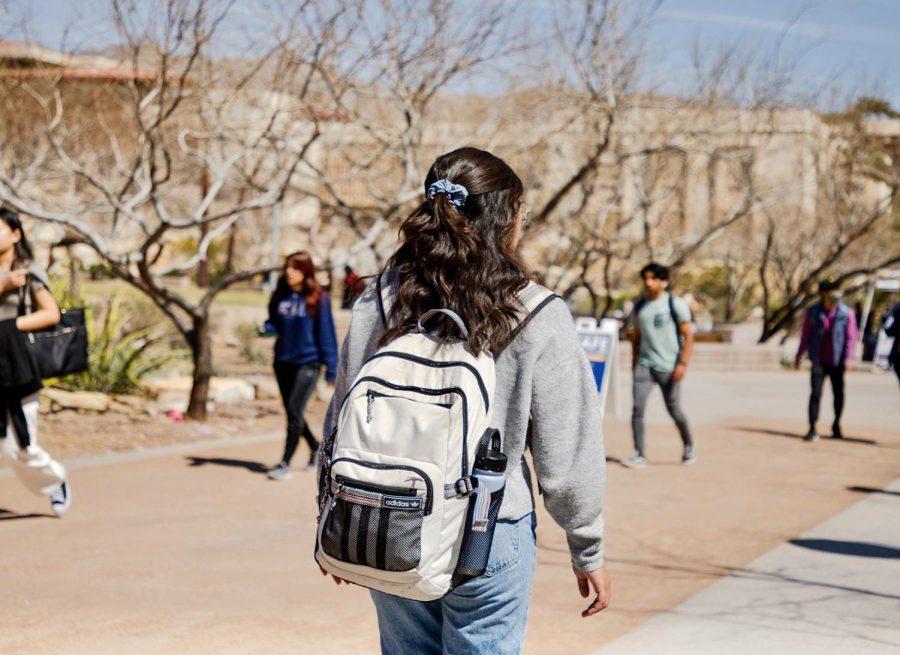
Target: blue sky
[(855, 43)]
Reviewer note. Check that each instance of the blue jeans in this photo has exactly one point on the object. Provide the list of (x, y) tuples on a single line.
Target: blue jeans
[(486, 615)]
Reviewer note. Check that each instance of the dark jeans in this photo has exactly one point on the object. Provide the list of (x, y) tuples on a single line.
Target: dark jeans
[(644, 379), (817, 380), (296, 384)]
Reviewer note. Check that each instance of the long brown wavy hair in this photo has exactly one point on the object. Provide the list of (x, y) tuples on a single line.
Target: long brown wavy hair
[(311, 289), (462, 258)]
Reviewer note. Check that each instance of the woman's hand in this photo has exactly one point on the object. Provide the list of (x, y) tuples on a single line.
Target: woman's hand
[(601, 584), (14, 280)]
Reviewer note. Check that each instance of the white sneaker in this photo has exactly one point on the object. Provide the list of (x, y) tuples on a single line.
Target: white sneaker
[(689, 455), (280, 471), (636, 461), (61, 498)]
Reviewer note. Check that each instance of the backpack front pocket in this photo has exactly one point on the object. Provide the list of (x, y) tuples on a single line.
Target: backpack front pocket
[(374, 525)]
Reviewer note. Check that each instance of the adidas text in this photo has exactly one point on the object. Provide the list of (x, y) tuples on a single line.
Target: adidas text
[(394, 502)]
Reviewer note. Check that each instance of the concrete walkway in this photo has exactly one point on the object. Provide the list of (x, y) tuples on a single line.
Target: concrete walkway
[(191, 549), (836, 589)]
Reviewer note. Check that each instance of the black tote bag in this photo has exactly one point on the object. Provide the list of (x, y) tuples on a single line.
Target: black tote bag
[(60, 349)]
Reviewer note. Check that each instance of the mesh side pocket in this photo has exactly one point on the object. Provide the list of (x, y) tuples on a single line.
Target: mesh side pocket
[(403, 540), (379, 537), (476, 546)]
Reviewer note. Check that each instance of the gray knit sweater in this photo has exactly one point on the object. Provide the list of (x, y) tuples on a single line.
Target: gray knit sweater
[(544, 373)]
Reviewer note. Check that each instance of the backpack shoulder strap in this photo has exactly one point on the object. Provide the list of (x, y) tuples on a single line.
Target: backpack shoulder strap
[(384, 283), (532, 299), (380, 299), (678, 338)]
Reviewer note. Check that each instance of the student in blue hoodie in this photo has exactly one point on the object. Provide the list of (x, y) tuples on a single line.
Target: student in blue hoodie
[(300, 314)]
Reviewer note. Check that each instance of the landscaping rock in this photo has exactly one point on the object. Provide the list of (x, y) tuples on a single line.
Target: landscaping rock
[(175, 391), (265, 385), (129, 405), (79, 401), (230, 391), (160, 386)]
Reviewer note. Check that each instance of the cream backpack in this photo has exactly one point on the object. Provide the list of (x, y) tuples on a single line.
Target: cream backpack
[(400, 510)]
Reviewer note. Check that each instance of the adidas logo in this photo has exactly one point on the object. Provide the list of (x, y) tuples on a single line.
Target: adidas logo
[(399, 502)]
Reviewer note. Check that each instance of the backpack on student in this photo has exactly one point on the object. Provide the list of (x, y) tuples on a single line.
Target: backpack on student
[(400, 511)]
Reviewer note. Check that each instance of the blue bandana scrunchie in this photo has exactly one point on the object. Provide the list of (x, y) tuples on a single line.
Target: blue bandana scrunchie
[(456, 193)]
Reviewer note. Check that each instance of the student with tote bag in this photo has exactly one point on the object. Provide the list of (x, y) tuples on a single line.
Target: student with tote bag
[(20, 379)]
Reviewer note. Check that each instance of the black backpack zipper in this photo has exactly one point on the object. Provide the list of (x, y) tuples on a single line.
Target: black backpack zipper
[(383, 489), (371, 395), (433, 364), (425, 392), (429, 489)]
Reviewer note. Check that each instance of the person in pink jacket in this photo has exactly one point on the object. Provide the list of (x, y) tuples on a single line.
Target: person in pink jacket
[(829, 338)]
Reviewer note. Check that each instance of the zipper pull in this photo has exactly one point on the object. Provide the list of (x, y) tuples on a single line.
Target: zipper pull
[(336, 494), (370, 404)]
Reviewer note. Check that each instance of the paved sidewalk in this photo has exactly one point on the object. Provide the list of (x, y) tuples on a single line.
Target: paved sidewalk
[(836, 589), (190, 549)]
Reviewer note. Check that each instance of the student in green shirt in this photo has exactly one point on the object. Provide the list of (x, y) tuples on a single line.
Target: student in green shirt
[(662, 341)]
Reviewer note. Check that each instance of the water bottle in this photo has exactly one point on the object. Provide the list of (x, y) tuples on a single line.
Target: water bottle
[(490, 467), (489, 470)]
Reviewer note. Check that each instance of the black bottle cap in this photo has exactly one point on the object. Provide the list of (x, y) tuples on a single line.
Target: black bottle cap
[(492, 460)]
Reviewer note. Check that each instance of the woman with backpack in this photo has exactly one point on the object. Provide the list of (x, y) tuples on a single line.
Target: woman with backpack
[(300, 316), (458, 252), (20, 381)]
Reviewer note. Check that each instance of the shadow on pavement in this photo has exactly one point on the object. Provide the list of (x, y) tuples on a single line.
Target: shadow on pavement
[(254, 467), (873, 490), (858, 548), (9, 515), (795, 435)]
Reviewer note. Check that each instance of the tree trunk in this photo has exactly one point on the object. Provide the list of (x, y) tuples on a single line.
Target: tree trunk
[(201, 349)]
